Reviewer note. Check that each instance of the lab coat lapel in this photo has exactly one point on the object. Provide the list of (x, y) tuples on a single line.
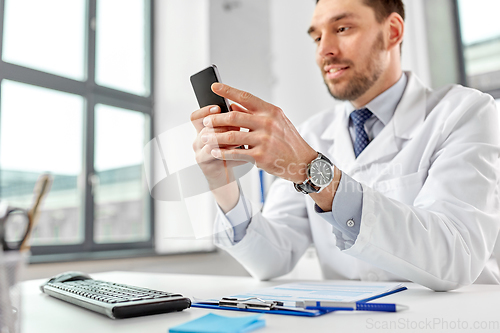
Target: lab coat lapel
[(408, 116), (341, 152), (412, 109), (383, 147)]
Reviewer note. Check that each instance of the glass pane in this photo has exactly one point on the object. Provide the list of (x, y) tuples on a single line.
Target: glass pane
[(119, 193), (46, 35), (481, 42), (121, 43), (41, 131)]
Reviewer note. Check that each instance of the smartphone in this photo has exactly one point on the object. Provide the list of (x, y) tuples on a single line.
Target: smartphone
[(202, 83)]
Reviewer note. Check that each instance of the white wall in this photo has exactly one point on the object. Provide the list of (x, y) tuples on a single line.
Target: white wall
[(415, 50), (239, 44), (182, 48), (298, 86)]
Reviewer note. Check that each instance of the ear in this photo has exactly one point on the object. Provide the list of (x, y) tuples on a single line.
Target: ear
[(396, 28)]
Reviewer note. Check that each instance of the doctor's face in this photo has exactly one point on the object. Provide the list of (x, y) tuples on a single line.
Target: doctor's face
[(350, 47)]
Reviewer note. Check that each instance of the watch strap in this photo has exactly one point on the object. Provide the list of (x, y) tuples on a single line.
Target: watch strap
[(325, 158), (306, 187)]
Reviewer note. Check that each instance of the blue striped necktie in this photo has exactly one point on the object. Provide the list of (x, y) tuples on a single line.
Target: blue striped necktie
[(359, 117)]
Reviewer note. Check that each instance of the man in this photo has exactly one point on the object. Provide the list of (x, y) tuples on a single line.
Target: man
[(408, 189)]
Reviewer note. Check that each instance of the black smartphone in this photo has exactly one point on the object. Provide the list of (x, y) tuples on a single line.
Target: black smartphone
[(202, 83)]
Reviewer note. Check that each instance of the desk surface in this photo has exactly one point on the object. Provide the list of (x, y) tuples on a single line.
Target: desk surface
[(473, 308)]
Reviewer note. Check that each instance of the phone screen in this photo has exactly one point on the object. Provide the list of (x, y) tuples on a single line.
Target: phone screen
[(202, 82)]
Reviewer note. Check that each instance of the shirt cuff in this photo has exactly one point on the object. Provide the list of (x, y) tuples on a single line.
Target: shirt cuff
[(345, 216), (240, 217)]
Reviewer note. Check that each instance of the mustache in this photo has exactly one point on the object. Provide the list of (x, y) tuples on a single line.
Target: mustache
[(337, 61)]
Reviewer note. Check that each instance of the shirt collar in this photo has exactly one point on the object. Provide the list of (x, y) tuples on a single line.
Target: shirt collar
[(384, 105)]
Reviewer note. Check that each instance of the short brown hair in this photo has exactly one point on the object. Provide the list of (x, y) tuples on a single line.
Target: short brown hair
[(384, 8)]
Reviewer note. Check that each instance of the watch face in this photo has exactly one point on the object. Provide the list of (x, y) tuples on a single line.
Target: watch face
[(321, 173)]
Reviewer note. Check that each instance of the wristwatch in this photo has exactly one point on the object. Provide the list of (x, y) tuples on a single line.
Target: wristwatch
[(319, 175)]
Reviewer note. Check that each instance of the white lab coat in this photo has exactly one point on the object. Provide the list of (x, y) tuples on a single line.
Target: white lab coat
[(431, 207)]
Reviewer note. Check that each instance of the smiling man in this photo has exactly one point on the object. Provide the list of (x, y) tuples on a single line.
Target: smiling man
[(397, 183), (360, 67)]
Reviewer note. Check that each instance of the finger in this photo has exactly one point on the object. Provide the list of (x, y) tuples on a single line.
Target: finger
[(215, 163), (204, 111), (206, 151), (213, 145), (198, 115), (233, 155), (236, 107), (204, 156), (230, 138), (198, 143), (209, 130), (244, 98), (221, 129), (233, 119)]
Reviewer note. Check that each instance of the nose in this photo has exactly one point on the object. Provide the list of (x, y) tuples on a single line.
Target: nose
[(328, 46)]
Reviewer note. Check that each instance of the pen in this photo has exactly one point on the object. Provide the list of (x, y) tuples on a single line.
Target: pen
[(352, 306)]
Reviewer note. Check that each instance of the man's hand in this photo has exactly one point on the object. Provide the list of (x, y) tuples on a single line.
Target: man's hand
[(273, 142), (219, 173), (274, 145)]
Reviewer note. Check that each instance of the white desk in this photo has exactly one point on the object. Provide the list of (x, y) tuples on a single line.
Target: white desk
[(429, 311)]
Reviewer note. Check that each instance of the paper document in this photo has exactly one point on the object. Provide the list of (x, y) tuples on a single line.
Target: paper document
[(288, 299), (338, 291)]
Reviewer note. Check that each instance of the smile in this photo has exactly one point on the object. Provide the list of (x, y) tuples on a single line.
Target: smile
[(334, 73)]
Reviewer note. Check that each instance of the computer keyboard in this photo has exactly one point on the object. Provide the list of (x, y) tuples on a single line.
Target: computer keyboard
[(114, 300)]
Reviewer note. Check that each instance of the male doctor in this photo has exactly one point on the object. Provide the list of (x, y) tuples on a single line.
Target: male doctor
[(397, 183)]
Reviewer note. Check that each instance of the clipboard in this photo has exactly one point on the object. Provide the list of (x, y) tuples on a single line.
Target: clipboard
[(270, 300), (279, 310)]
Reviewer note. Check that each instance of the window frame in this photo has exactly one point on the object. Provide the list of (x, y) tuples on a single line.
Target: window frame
[(93, 94), (495, 93)]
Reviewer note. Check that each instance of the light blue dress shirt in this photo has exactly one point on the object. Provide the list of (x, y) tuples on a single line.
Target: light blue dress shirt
[(347, 205)]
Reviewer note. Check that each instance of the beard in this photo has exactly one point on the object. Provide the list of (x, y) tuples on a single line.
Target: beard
[(362, 81)]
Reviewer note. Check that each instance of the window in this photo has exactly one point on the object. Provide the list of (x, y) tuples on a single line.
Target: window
[(31, 143), (480, 40), (46, 35), (120, 208), (76, 101), (121, 46)]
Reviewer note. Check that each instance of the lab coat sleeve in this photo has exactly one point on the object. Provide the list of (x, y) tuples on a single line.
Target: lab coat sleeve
[(445, 238), (238, 217), (276, 238), (345, 216)]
